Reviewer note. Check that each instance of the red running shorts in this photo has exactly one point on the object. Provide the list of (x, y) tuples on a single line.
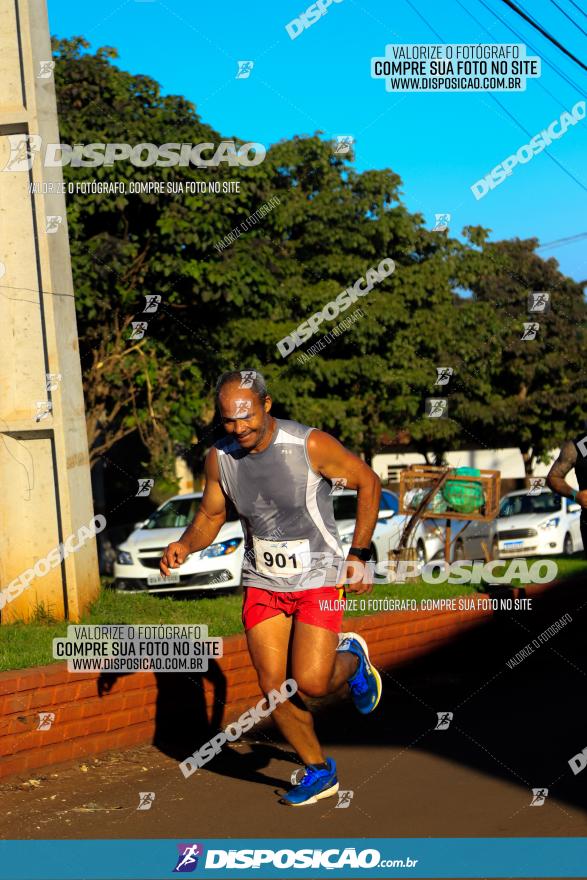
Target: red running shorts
[(322, 606)]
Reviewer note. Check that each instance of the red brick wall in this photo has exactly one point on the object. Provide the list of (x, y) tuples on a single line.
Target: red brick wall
[(86, 723)]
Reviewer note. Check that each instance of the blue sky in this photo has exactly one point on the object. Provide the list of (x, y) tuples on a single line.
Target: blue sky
[(439, 144)]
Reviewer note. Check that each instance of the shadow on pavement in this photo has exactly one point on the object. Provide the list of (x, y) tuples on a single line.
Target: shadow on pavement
[(521, 724)]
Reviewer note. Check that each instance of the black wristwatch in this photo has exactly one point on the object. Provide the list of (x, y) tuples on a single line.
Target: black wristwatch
[(362, 553)]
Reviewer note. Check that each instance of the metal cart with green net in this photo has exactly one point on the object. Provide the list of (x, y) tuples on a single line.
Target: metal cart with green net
[(442, 492)]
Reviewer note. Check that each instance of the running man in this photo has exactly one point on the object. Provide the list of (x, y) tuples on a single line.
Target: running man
[(278, 475), (573, 454)]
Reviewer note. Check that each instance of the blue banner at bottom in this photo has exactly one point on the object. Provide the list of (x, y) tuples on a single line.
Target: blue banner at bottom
[(533, 857)]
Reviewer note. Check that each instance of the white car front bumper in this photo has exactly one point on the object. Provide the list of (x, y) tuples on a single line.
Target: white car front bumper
[(209, 573), (547, 542)]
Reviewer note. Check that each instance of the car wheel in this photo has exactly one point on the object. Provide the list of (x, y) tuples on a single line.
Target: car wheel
[(459, 551), (568, 545)]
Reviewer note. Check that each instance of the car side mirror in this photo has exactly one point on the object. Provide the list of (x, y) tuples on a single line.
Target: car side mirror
[(573, 507), (385, 514)]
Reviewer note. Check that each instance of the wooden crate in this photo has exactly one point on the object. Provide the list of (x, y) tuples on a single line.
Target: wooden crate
[(434, 478)]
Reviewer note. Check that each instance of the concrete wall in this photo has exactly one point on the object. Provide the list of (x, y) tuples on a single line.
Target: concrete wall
[(44, 467)]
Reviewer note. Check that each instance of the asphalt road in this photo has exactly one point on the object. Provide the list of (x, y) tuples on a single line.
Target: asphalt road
[(512, 730)]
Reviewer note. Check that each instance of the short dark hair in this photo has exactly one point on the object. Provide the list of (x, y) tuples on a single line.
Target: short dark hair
[(247, 379)]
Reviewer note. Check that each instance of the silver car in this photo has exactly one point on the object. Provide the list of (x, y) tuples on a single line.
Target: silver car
[(545, 524)]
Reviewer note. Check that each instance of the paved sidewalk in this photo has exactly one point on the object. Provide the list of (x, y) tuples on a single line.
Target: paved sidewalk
[(513, 730)]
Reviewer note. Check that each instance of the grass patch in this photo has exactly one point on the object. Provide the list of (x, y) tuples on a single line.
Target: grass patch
[(30, 644)]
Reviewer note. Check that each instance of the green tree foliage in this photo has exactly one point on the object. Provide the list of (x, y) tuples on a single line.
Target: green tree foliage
[(226, 306), (537, 392)]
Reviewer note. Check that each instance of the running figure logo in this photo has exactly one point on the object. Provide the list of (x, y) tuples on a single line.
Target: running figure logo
[(152, 301), (443, 375), (244, 69), (146, 799), (248, 377), (46, 69), (344, 800), (344, 142), (539, 301), (138, 329), (530, 330), (46, 719), (436, 407), (43, 409), (23, 149), (539, 795), (52, 381), (243, 408), (187, 861), (444, 719), (338, 486), (144, 489), (442, 221), (536, 485), (52, 223)]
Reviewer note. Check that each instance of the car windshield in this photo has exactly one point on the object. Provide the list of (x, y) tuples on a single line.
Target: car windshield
[(345, 506), (546, 502), (176, 514)]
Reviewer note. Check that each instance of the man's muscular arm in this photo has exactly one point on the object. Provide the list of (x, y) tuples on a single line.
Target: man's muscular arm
[(565, 462), (556, 475), (329, 458), (206, 524)]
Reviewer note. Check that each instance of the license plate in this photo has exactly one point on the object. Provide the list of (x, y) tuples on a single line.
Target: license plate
[(157, 580), (513, 543)]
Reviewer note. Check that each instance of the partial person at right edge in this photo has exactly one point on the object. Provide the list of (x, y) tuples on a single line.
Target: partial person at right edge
[(573, 455)]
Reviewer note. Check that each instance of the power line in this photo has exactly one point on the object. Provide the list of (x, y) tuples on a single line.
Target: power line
[(427, 23), (504, 109), (544, 33), (487, 31), (562, 241), (578, 8), (534, 49), (566, 14)]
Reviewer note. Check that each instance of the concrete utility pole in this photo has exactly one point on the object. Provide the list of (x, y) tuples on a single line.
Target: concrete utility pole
[(44, 472)]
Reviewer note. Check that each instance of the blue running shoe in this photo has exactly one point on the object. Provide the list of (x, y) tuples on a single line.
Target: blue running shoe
[(365, 684), (316, 784)]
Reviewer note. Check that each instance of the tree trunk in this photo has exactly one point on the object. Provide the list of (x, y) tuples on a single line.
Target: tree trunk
[(529, 461)]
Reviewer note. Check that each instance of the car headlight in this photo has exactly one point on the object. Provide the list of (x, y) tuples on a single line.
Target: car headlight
[(123, 558), (223, 548), (551, 523)]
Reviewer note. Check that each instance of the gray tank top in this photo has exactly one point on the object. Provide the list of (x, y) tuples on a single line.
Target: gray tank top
[(286, 511)]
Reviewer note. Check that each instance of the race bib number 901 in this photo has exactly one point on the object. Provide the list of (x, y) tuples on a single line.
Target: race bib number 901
[(281, 558)]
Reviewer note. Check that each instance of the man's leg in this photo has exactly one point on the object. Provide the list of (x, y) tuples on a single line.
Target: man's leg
[(323, 661), (316, 665), (269, 645)]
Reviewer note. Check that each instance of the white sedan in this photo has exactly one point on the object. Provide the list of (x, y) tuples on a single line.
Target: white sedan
[(545, 524), (218, 567)]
